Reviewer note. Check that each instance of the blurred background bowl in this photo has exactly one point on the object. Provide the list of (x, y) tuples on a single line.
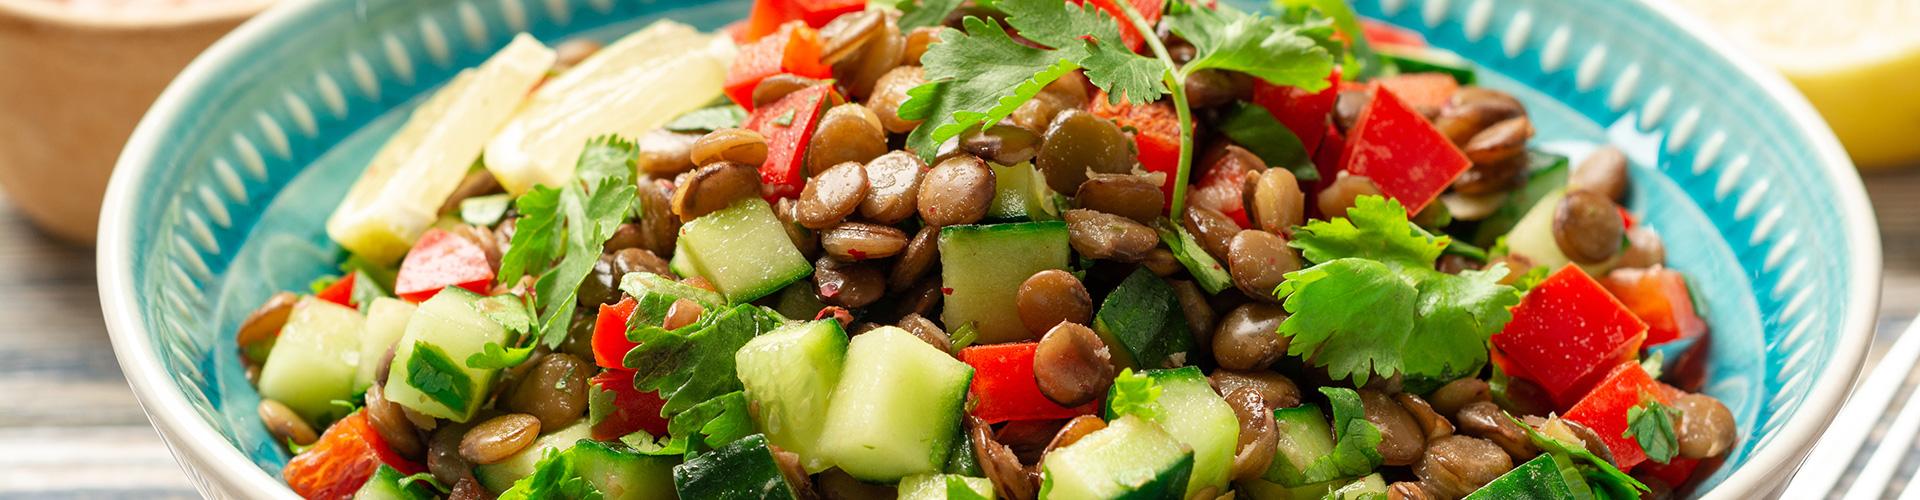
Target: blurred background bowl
[(78, 77)]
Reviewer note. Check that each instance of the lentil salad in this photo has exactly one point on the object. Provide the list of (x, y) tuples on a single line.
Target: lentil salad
[(1014, 249)]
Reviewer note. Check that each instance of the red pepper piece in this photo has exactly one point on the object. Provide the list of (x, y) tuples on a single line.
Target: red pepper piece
[(1566, 329), (1304, 113), (340, 292), (768, 15), (1222, 186), (1426, 93), (632, 410), (1327, 160), (1003, 389), (1675, 472), (1381, 33), (1401, 152), (1659, 297), (442, 259), (1626, 218), (794, 49), (341, 461), (1148, 9), (788, 126), (1156, 134), (610, 344), (1605, 409)]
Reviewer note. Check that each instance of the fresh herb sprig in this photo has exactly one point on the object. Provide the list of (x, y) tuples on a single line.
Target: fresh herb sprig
[(559, 236), (1651, 425)]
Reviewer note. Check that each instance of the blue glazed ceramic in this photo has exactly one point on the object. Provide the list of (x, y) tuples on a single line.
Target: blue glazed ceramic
[(221, 195)]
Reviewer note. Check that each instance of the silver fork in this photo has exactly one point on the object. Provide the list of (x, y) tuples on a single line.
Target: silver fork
[(1835, 452)]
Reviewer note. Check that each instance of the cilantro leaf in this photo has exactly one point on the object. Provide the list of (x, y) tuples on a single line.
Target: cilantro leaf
[(1356, 441), (711, 424), (1254, 44), (1135, 394), (1375, 305), (1598, 471), (1348, 23), (1090, 37), (423, 480), (925, 13), (494, 357), (570, 224), (536, 234), (974, 77), (434, 374), (510, 311), (1651, 424), (691, 368), (554, 477), (707, 119)]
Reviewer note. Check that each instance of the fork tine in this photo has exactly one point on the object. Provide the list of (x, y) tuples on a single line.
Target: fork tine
[(1843, 440)]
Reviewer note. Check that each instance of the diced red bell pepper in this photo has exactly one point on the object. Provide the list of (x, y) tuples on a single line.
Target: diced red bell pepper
[(788, 126), (632, 410), (1148, 9), (1381, 33), (342, 459), (1222, 186), (1626, 218), (794, 49), (1605, 409), (442, 259), (1329, 156), (1156, 134), (1675, 472), (1567, 328), (1003, 389), (1426, 93), (340, 292), (610, 344), (1401, 152), (768, 15), (1659, 297), (1305, 113)]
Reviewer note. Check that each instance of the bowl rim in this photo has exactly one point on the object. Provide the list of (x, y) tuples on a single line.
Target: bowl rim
[(139, 19), (194, 441)]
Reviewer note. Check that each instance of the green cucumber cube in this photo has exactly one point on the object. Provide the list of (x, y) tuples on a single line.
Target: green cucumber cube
[(1304, 436), (1131, 458), (945, 487), (386, 322), (1020, 194), (743, 251), (1195, 415), (790, 374), (1368, 487), (315, 359), (1142, 322), (983, 267), (623, 474), (430, 373), (385, 485), (499, 476), (897, 407), (1549, 475), (741, 470)]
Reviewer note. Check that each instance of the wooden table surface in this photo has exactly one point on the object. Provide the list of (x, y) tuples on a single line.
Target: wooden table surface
[(70, 427)]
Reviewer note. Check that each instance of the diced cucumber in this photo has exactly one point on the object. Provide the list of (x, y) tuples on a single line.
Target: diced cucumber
[(743, 250), (499, 476), (960, 459), (1549, 475), (1546, 173), (1533, 237), (1304, 436), (1190, 410), (1141, 320), (897, 407), (386, 322), (623, 474), (385, 485), (430, 373), (1365, 488), (679, 263), (1261, 489), (945, 487), (1131, 458), (741, 470), (983, 267), (641, 284), (790, 374), (1411, 59), (315, 360), (799, 302), (1020, 194)]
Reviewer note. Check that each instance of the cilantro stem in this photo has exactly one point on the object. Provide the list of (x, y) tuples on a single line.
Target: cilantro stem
[(1176, 86)]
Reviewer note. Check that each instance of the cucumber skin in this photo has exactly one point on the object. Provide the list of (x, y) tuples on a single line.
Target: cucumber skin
[(741, 470), (449, 322), (896, 409), (1198, 417), (1122, 441), (743, 251), (621, 474), (1303, 431), (790, 375), (385, 485), (1141, 319), (315, 359), (982, 267), (499, 476), (934, 487)]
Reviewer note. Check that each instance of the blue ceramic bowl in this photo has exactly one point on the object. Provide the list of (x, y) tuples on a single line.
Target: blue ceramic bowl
[(220, 197)]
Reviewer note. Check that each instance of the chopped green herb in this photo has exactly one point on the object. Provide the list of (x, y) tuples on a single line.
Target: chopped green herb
[(1205, 269), (434, 374), (785, 119), (510, 311), (1356, 441), (708, 119), (1600, 473), (1651, 424), (425, 479), (494, 357), (554, 478), (963, 336), (590, 208), (925, 13), (1135, 394), (691, 368)]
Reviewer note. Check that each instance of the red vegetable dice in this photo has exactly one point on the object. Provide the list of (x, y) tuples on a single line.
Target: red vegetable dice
[(768, 15), (340, 292), (1381, 33), (1605, 409), (1426, 93), (442, 259), (1003, 389), (1222, 186), (1659, 297), (610, 344), (1305, 113), (1156, 134), (794, 49), (632, 410), (342, 459), (788, 126), (1674, 473), (1327, 160), (1401, 152), (1148, 9), (1566, 330)]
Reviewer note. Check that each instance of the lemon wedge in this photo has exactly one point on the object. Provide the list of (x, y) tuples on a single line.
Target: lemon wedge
[(399, 194), (1854, 59), (628, 88)]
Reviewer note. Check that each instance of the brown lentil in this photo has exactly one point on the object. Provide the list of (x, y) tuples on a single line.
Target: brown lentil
[(921, 254), (848, 284), (893, 190), (1457, 465), (1125, 195), (957, 191), (264, 324), (771, 89), (1587, 227), (889, 92), (1196, 310), (1274, 201), (1259, 261), (659, 228), (1259, 438), (1338, 197), (1483, 419), (736, 145), (1499, 142), (1473, 109), (664, 153), (713, 187), (1050, 297), (1103, 236), (1706, 428), (1604, 171), (285, 424), (1450, 398), (927, 331), (390, 422), (1071, 365), (635, 260), (1001, 144), (498, 438), (847, 133), (555, 391), (1431, 422), (1248, 337), (831, 196), (857, 241), (1077, 142), (1276, 389), (1401, 440), (807, 241)]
